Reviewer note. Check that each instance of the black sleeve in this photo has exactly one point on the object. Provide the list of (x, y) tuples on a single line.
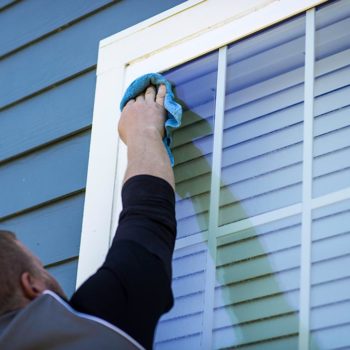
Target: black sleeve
[(132, 289)]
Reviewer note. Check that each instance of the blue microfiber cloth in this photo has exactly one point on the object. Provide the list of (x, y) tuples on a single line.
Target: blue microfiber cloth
[(174, 115)]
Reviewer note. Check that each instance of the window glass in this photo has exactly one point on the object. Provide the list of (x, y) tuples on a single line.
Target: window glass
[(257, 277), (181, 328), (332, 99), (257, 290), (195, 88), (263, 125), (330, 277)]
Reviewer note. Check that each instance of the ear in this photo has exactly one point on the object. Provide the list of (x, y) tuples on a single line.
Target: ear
[(32, 286)]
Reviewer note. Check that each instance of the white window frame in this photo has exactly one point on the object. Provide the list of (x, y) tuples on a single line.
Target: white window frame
[(192, 29)]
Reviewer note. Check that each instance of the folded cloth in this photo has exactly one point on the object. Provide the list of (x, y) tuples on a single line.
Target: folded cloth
[(174, 109)]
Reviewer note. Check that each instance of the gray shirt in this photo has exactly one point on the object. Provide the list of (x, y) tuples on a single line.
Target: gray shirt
[(50, 323)]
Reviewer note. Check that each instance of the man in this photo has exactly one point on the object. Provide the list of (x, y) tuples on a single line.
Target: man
[(123, 301)]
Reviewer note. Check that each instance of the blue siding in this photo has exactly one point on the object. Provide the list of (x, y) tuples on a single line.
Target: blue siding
[(5, 3), (44, 175), (52, 115), (52, 232), (47, 84), (40, 17), (69, 51), (65, 273)]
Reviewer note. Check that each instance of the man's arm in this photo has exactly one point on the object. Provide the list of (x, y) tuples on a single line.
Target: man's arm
[(133, 287), (141, 128)]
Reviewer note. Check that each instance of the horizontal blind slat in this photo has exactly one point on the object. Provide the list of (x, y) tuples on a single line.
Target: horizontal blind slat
[(332, 103), (185, 318)]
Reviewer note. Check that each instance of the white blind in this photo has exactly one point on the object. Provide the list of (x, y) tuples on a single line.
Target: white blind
[(195, 86), (263, 126), (257, 291), (258, 269), (330, 274), (332, 102), (181, 328), (330, 290)]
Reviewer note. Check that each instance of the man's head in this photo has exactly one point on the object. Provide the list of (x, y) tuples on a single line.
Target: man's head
[(22, 276)]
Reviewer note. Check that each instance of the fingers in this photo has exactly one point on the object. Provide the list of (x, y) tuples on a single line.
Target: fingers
[(161, 95), (140, 98), (130, 102), (150, 94)]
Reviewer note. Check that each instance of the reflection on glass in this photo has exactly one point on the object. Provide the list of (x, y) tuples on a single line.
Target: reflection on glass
[(263, 125), (332, 103), (195, 88), (330, 277)]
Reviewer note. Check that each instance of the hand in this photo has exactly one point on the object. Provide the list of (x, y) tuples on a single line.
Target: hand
[(143, 116)]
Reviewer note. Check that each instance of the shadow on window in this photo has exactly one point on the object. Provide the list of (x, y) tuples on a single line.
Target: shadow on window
[(256, 304)]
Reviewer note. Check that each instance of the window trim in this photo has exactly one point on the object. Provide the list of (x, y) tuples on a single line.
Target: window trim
[(124, 56), (130, 53)]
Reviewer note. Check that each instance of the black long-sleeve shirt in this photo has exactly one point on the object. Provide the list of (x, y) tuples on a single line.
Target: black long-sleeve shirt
[(132, 289)]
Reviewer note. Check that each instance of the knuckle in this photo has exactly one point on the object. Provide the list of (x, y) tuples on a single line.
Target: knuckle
[(150, 89)]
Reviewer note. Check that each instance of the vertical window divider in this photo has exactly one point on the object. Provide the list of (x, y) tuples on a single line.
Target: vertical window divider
[(305, 264), (209, 294)]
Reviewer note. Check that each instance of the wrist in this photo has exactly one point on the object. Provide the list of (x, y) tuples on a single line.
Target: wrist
[(146, 133)]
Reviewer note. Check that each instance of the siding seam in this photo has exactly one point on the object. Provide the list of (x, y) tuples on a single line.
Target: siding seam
[(56, 30), (5, 7), (61, 262), (44, 145), (49, 87), (41, 205)]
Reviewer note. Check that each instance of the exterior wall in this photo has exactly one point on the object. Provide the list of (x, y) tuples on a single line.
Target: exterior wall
[(263, 192), (47, 81)]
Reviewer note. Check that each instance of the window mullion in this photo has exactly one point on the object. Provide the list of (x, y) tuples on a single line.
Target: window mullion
[(214, 202), (305, 272)]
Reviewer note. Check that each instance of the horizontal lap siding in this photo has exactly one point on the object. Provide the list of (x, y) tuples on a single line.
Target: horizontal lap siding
[(69, 51), (49, 116), (47, 83), (5, 3), (44, 228), (41, 17), (44, 175)]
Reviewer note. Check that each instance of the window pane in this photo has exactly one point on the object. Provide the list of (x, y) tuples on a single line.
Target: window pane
[(332, 103), (330, 277), (195, 87), (257, 291), (181, 328), (263, 125)]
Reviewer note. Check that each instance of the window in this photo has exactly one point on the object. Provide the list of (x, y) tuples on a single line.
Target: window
[(262, 173)]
